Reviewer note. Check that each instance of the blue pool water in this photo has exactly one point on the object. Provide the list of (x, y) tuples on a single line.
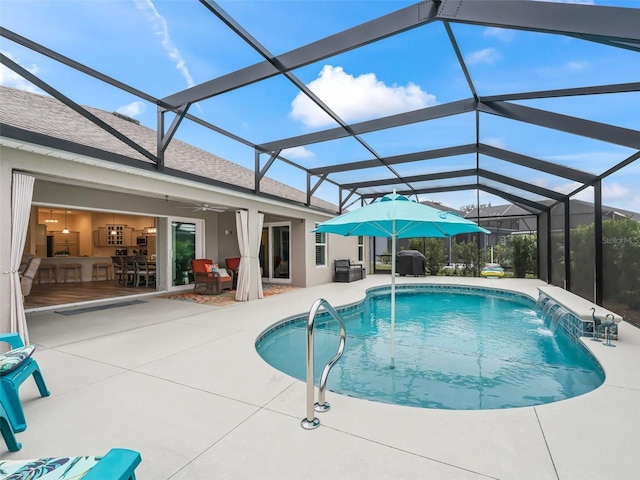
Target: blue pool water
[(456, 348)]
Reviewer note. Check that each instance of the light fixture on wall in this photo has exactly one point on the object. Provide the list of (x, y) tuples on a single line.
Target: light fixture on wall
[(151, 230), (50, 219), (65, 229), (113, 226)]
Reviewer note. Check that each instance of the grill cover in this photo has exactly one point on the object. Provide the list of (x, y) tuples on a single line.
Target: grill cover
[(410, 262)]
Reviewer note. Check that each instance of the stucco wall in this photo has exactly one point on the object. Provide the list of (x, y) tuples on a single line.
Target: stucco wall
[(90, 184)]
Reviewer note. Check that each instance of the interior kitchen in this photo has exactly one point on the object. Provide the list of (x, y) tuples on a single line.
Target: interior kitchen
[(78, 245)]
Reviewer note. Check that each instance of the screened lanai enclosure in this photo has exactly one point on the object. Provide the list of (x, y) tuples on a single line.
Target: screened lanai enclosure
[(556, 135)]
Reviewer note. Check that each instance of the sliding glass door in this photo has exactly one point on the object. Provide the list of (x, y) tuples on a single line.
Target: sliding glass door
[(275, 252), (186, 242)]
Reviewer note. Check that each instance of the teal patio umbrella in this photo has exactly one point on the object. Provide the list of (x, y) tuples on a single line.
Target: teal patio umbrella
[(396, 216)]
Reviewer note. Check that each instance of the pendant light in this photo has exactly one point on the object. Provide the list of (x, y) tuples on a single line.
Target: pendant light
[(151, 230), (50, 219), (113, 226), (65, 229)]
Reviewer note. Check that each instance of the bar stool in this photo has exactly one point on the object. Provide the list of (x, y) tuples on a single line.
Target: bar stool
[(48, 272), (101, 271), (71, 271)]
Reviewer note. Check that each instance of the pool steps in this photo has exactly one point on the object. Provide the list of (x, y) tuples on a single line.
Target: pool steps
[(311, 422)]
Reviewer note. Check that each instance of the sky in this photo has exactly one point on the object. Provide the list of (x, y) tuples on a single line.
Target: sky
[(162, 47)]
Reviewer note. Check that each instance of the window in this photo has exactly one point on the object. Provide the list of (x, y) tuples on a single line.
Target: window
[(321, 249), (360, 248)]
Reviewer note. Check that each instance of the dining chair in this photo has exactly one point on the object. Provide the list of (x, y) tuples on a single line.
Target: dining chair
[(118, 269), (144, 271), (130, 271)]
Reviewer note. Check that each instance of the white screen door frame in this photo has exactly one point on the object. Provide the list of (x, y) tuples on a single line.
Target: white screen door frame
[(277, 264), (185, 238)]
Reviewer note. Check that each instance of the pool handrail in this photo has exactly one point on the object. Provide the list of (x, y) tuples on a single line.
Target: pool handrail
[(310, 421)]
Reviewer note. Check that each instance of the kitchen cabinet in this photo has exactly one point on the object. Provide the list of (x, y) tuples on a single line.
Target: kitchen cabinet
[(67, 243), (123, 237), (41, 240)]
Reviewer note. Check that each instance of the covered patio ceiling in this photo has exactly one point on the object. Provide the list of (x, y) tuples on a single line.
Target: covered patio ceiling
[(477, 138)]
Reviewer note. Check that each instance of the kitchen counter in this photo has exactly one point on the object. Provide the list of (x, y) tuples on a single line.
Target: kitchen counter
[(86, 264)]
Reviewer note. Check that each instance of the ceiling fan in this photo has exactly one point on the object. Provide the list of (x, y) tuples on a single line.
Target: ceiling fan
[(205, 207)]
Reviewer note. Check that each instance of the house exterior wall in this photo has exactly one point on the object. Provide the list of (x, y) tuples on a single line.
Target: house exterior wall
[(5, 243), (337, 247), (87, 183)]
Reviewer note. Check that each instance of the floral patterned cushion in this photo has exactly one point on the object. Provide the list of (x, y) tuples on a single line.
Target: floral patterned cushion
[(58, 468), (14, 358)]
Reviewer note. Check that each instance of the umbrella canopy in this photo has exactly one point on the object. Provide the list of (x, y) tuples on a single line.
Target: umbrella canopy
[(397, 213), (396, 216)]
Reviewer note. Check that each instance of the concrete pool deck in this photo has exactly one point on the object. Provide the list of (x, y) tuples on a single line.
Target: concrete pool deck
[(182, 384)]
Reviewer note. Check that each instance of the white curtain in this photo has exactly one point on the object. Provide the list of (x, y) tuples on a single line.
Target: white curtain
[(242, 227), (21, 195), (249, 269), (258, 238)]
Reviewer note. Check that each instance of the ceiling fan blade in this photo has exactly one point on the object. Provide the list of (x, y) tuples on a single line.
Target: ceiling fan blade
[(205, 207)]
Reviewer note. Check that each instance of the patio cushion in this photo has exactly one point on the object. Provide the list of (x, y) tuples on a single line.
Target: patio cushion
[(14, 358), (54, 468), (221, 271)]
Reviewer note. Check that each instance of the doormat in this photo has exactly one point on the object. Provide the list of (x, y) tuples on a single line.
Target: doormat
[(226, 298), (97, 308)]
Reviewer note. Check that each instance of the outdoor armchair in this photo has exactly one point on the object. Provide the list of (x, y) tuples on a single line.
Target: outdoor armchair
[(7, 432), (16, 366), (28, 270), (209, 277)]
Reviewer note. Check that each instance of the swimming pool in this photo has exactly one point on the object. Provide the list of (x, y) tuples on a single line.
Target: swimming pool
[(460, 348)]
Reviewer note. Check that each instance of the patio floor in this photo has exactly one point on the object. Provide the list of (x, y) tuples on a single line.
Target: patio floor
[(182, 384)]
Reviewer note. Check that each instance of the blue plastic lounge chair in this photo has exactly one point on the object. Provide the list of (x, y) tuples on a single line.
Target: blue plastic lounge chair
[(15, 367), (7, 432), (117, 464)]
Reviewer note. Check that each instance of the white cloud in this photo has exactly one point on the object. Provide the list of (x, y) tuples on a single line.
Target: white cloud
[(356, 98), (298, 152), (571, 186), (486, 55), (9, 78), (502, 34), (591, 162), (160, 26), (495, 142), (575, 66), (540, 182), (613, 194), (132, 109), (612, 191)]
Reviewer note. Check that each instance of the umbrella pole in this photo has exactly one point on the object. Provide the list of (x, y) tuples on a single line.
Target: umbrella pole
[(393, 295)]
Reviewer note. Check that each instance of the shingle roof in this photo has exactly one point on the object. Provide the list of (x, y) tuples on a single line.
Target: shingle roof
[(577, 206), (45, 115)]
